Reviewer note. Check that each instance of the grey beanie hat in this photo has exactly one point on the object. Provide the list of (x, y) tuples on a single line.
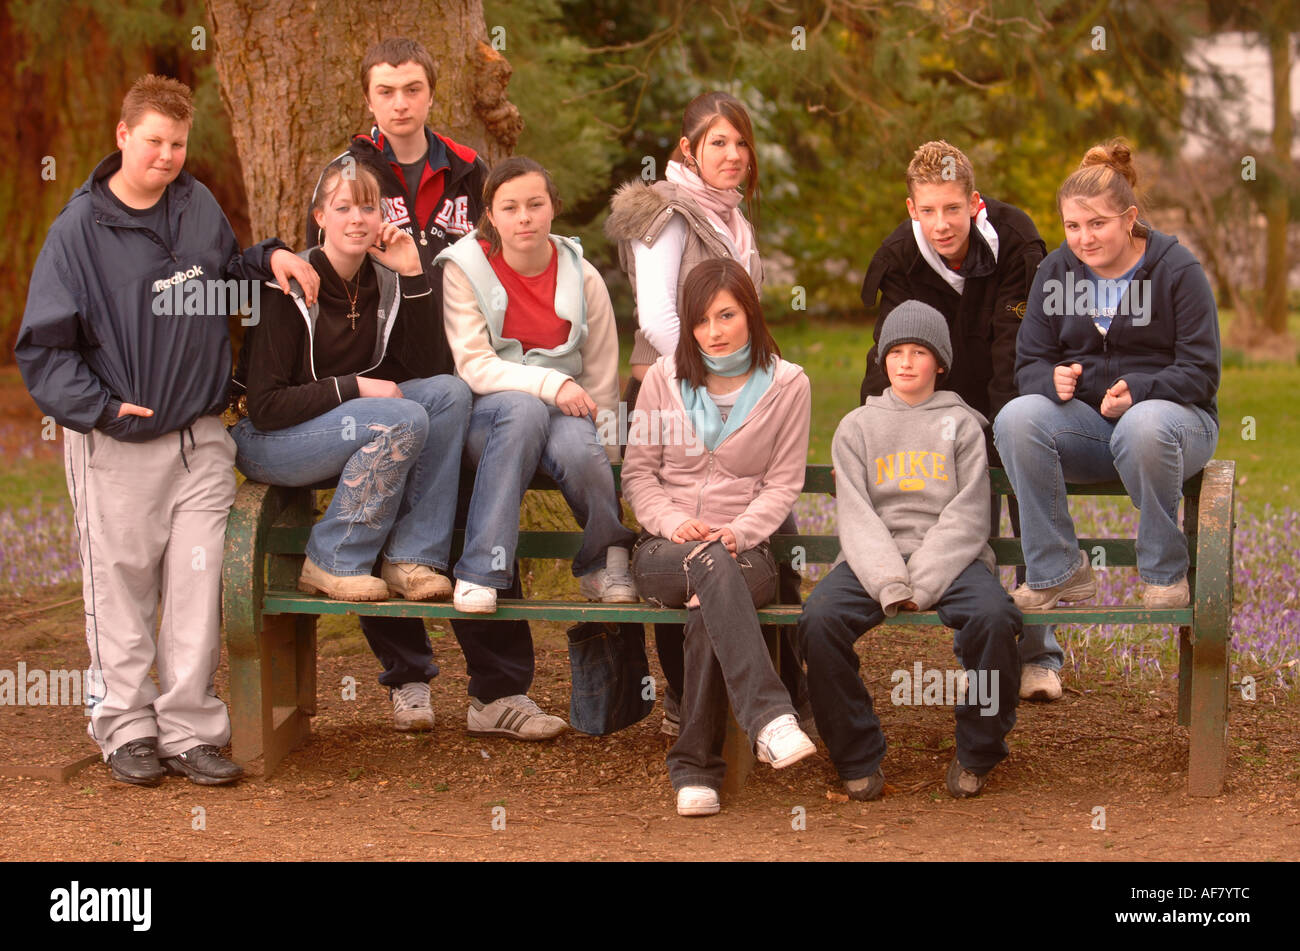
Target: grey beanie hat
[(913, 321)]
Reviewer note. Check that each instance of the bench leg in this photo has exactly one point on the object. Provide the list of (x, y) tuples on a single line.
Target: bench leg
[(736, 749), (1209, 718), (1212, 631), (1184, 676), (273, 694)]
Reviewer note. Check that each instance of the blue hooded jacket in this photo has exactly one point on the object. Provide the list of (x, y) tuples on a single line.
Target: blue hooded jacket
[(1164, 342), (91, 337)]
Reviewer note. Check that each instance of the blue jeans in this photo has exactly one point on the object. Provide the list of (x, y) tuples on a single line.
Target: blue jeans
[(397, 462), (511, 436), (1038, 645), (1153, 448)]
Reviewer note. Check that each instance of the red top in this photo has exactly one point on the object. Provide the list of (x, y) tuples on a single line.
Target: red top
[(530, 305)]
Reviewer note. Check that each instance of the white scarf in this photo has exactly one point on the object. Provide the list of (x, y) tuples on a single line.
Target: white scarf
[(935, 259), (721, 207)]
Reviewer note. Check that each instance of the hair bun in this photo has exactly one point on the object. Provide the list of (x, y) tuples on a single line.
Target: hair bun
[(1117, 155)]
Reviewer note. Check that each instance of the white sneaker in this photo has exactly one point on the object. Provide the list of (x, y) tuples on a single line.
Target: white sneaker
[(411, 707), (1039, 683), (782, 743), (516, 717), (474, 598), (612, 584), (698, 801)]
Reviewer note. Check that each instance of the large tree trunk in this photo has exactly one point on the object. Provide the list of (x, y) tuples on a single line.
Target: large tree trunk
[(290, 79)]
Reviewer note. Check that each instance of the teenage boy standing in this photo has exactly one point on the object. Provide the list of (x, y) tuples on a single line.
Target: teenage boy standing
[(972, 259), (433, 187), (911, 477), (138, 390)]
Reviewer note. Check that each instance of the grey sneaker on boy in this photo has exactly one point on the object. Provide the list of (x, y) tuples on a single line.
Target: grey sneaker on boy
[(962, 783), (866, 789)]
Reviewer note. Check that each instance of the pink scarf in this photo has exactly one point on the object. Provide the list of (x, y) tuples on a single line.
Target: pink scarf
[(721, 206)]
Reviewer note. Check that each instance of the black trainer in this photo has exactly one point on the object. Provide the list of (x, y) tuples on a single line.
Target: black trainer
[(136, 762), (203, 764)]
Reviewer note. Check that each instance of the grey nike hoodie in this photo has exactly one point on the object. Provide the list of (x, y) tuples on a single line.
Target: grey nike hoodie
[(912, 486)]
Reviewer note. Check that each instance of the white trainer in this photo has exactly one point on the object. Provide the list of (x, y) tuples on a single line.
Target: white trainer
[(517, 717), (782, 743), (411, 707), (612, 584), (474, 598), (698, 801)]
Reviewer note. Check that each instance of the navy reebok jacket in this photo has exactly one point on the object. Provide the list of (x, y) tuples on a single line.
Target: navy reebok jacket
[(90, 339)]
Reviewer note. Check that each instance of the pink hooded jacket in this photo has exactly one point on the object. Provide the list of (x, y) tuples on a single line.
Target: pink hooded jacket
[(748, 484)]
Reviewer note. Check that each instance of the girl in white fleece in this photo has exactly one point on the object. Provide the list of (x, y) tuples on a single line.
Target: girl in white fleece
[(532, 332), (710, 478)]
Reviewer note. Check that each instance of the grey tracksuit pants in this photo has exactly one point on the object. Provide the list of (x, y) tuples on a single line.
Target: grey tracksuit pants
[(151, 523)]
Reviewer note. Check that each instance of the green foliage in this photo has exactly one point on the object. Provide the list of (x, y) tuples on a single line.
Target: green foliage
[(840, 94), (568, 126)]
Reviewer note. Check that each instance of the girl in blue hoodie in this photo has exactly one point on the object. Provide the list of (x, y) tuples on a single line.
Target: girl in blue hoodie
[(1118, 365)]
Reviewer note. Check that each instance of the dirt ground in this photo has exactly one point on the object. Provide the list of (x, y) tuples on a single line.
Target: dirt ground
[(360, 790)]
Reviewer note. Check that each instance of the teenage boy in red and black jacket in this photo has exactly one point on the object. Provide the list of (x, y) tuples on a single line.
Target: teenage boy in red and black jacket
[(433, 188), (972, 259)]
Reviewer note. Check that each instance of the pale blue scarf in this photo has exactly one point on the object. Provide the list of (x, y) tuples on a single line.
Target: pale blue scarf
[(703, 412)]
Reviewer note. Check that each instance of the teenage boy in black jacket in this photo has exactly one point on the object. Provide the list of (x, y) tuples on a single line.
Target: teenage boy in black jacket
[(111, 346), (433, 188), (972, 259)]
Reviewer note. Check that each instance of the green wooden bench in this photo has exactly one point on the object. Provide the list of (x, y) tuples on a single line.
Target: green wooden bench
[(271, 627)]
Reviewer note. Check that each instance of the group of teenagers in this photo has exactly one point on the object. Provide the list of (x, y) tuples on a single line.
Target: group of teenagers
[(437, 346)]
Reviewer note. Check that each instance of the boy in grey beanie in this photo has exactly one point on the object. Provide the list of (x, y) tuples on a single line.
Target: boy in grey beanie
[(912, 489), (972, 258)]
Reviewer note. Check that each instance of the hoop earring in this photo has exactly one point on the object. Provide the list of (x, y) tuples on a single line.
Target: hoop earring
[(320, 237)]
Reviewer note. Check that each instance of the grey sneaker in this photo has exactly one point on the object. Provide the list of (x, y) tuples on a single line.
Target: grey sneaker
[(516, 717), (1080, 586), (962, 783), (612, 584), (411, 707), (866, 789)]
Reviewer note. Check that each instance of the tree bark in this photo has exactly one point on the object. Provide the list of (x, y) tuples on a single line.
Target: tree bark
[(290, 79)]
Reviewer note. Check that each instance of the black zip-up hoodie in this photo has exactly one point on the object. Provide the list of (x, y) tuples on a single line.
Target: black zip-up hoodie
[(983, 320), (438, 220), (91, 338), (1164, 342)]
